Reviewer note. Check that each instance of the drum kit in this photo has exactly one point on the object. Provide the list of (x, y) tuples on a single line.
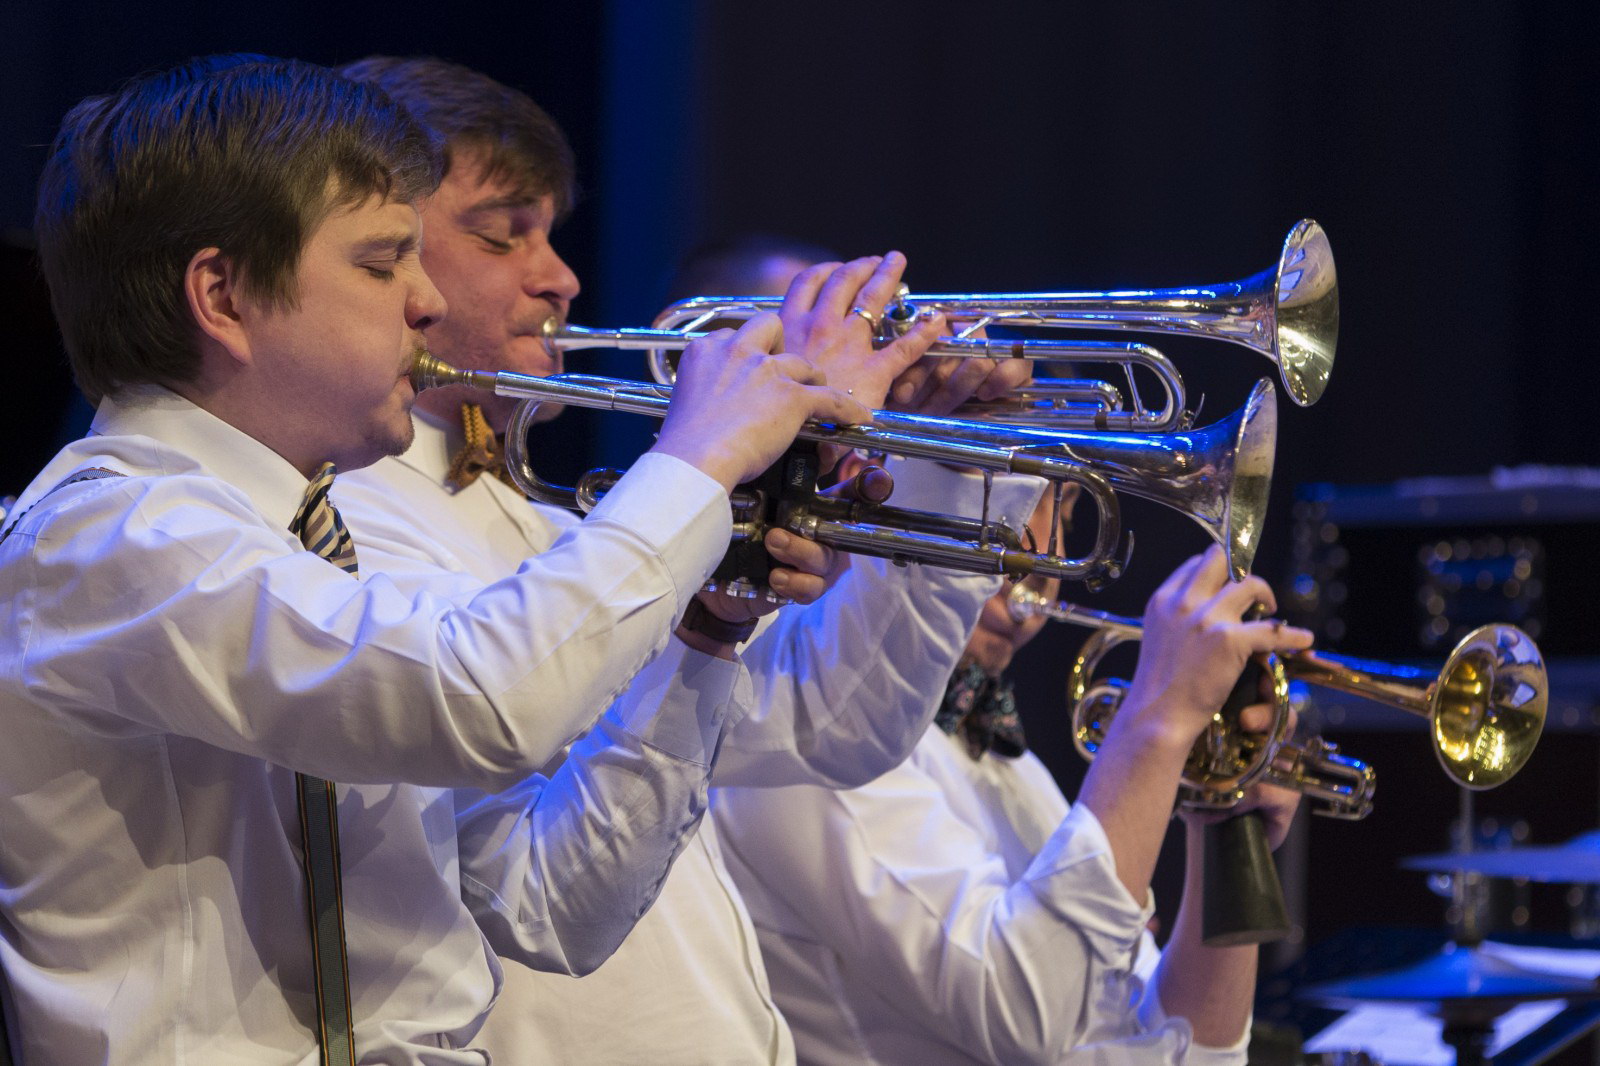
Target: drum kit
[(1470, 985)]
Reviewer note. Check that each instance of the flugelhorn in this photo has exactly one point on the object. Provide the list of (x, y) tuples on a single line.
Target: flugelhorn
[(1288, 313), (1218, 475), (1485, 709)]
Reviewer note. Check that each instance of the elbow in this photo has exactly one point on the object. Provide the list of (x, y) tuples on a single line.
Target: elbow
[(588, 961), (582, 953)]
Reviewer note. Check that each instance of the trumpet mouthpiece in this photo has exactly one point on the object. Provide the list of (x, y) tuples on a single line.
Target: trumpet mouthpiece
[(429, 372)]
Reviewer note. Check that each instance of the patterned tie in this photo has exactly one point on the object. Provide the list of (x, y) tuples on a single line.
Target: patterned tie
[(481, 453), (982, 710), (322, 531)]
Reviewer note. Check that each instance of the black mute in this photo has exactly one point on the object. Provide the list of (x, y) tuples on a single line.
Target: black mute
[(1243, 901)]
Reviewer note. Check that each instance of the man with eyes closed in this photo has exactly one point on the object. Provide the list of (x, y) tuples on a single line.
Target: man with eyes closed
[(843, 687), (227, 792)]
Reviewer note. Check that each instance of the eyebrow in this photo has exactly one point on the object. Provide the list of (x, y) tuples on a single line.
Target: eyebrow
[(399, 242), (509, 202)]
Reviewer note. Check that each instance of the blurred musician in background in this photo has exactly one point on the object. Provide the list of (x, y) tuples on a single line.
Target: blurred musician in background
[(959, 910), (843, 689), (243, 299)]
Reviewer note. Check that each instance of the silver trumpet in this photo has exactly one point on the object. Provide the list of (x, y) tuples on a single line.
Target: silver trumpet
[(1218, 475), (1485, 709), (1288, 313)]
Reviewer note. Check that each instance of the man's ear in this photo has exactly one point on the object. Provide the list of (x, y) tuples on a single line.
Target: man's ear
[(211, 286)]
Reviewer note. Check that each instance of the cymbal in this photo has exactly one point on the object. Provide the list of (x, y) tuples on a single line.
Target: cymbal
[(1456, 976), (1575, 862)]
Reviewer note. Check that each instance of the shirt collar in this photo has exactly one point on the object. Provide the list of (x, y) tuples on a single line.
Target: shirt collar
[(200, 442)]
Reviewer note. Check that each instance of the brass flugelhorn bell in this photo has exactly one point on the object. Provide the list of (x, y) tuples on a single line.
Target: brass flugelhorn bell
[(1485, 709), (1288, 313), (1218, 475)]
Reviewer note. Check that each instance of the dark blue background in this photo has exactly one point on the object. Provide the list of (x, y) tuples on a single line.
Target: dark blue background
[(1445, 148)]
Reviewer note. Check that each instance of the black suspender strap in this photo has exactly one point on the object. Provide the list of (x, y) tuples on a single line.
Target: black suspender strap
[(319, 838)]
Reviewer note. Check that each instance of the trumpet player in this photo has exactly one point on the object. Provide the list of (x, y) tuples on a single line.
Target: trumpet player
[(959, 910), (227, 792), (841, 687)]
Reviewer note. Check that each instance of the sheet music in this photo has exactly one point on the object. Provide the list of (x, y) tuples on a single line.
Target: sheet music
[(1400, 1035), (1565, 961)]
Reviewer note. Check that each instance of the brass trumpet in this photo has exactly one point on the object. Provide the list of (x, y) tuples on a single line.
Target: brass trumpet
[(1288, 313), (1485, 709), (1218, 475)]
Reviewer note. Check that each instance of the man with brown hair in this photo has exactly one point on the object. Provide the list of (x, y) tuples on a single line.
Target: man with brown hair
[(843, 687), (233, 253)]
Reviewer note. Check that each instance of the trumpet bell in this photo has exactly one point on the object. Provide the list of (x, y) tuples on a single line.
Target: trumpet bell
[(1239, 507), (1307, 311), (1219, 475), (1488, 707)]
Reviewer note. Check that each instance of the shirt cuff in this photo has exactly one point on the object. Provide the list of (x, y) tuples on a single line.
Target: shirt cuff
[(677, 509), (681, 702), (1153, 1018), (1075, 876)]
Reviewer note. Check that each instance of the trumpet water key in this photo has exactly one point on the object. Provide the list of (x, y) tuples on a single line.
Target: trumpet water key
[(1218, 476)]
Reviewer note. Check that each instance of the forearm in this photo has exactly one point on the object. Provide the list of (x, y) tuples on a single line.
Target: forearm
[(1211, 987), (1131, 787), (844, 687), (527, 663), (557, 872)]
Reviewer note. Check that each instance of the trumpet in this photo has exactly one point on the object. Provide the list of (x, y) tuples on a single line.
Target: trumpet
[(1485, 709), (1288, 313), (1218, 475)]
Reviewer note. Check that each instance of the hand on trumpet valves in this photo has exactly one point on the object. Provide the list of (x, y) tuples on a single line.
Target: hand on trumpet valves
[(1277, 805), (739, 402), (805, 568), (831, 315), (937, 385), (1196, 643)]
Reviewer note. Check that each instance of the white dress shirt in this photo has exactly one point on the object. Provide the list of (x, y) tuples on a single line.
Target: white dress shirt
[(954, 911), (841, 694), (173, 654)]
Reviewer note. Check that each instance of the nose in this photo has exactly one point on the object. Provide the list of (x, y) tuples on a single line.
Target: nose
[(549, 277), (425, 305)]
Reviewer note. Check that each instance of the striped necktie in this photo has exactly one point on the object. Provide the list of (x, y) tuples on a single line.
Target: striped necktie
[(322, 531), (319, 526)]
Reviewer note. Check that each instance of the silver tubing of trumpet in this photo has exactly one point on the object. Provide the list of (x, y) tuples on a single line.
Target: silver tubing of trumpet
[(1065, 403), (977, 546), (1218, 475), (1288, 313)]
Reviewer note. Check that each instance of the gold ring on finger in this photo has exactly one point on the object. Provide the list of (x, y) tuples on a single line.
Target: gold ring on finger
[(871, 319)]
